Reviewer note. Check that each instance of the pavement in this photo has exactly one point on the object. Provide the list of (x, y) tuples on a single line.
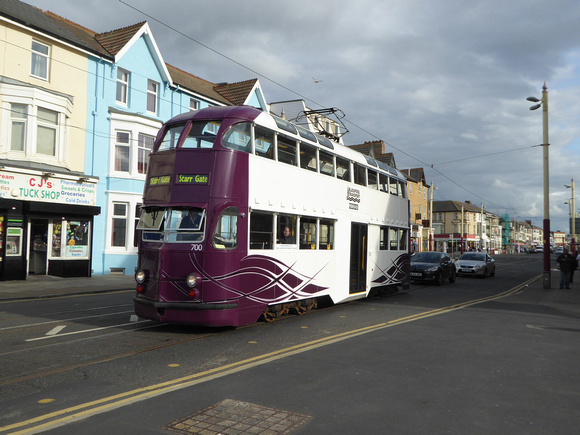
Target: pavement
[(45, 286)]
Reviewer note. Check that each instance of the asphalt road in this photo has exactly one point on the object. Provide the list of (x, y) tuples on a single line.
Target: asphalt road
[(449, 359)]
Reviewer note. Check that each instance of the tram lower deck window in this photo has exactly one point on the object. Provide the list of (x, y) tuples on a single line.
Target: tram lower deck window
[(261, 230)]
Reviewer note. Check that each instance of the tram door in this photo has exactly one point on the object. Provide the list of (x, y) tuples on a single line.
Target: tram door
[(358, 257)]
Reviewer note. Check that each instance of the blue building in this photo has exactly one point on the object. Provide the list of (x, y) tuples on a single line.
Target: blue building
[(127, 91)]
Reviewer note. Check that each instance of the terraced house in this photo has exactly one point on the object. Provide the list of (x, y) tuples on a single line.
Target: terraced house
[(79, 112)]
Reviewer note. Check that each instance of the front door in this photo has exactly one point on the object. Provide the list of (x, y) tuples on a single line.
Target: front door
[(358, 258)]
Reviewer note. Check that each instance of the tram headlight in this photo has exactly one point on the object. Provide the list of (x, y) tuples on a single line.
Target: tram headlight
[(191, 280), (140, 276)]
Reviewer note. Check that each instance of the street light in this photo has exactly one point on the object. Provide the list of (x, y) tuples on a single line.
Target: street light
[(431, 216), (572, 215), (544, 103)]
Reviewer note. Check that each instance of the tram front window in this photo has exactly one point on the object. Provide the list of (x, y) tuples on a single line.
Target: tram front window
[(180, 224), (201, 134)]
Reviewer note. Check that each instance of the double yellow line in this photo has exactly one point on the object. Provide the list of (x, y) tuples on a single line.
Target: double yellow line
[(84, 410)]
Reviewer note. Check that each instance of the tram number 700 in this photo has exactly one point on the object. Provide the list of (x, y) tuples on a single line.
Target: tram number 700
[(196, 247)]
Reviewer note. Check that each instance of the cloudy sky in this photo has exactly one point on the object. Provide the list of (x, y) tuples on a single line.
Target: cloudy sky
[(443, 83)]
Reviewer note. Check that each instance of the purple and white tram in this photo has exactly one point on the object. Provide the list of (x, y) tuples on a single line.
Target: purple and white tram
[(246, 214)]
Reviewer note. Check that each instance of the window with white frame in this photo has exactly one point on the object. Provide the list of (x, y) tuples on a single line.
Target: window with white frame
[(18, 118), (122, 151), (39, 61), (132, 139), (193, 104), (122, 86), (36, 123), (152, 90), (119, 223), (47, 131), (144, 147)]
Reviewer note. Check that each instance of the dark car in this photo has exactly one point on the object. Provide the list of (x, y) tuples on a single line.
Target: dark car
[(476, 264), (432, 266)]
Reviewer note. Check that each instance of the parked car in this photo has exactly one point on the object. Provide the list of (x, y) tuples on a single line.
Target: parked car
[(539, 249), (476, 264), (432, 266), (559, 250)]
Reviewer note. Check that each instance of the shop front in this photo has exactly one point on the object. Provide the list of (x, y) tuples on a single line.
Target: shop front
[(46, 224)]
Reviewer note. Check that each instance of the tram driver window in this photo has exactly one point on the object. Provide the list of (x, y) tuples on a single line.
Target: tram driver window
[(261, 230), (238, 137), (225, 235)]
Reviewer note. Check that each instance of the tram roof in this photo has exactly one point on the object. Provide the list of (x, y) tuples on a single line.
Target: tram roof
[(265, 119)]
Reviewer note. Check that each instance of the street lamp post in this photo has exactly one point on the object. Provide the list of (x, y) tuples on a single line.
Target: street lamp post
[(544, 104), (572, 216), (431, 216)]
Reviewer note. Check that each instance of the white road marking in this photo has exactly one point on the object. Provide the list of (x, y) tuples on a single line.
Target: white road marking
[(85, 330), (56, 330)]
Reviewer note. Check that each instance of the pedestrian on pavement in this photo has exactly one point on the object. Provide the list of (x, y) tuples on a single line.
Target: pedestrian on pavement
[(566, 262)]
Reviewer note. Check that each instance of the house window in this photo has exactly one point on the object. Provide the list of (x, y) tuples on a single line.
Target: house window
[(144, 147), (46, 133), (193, 104), (122, 86), (122, 151), (39, 60), (152, 88), (18, 114), (119, 224)]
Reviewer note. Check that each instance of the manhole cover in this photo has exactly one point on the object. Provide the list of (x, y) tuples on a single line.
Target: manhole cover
[(236, 418)]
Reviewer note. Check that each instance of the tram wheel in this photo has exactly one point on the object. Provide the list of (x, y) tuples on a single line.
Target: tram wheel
[(303, 307)]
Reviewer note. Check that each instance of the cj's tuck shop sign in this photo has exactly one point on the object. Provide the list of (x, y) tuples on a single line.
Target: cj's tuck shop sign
[(43, 189)]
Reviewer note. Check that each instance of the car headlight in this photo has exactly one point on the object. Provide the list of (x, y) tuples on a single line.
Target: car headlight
[(432, 269), (140, 276)]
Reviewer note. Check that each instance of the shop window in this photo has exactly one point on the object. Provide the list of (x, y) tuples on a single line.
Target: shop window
[(55, 248), (39, 62), (77, 239)]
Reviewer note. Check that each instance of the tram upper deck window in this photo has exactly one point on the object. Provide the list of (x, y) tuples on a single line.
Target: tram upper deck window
[(383, 183), (201, 134), (393, 189), (373, 181), (169, 141), (185, 224), (306, 134), (326, 163), (308, 157), (238, 137), (342, 168), (264, 145), (360, 175), (287, 151)]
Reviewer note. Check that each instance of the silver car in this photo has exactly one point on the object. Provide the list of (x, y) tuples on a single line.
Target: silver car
[(476, 264)]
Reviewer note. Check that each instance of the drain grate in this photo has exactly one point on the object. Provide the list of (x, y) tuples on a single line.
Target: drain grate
[(233, 417)]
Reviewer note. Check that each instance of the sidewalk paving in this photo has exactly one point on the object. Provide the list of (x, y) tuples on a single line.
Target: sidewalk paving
[(42, 286)]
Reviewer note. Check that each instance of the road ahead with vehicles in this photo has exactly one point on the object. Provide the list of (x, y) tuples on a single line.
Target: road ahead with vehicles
[(473, 356)]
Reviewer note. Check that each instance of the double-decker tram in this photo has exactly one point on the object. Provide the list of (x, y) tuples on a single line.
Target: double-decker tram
[(246, 214)]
